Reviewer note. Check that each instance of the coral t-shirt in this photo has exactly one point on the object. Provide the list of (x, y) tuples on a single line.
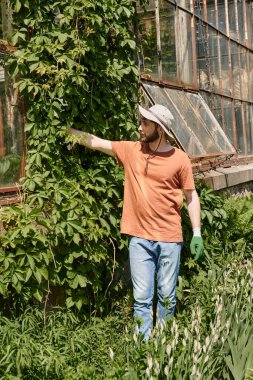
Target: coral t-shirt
[(152, 200)]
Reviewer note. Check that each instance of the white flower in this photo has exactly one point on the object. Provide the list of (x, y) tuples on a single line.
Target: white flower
[(111, 353), (150, 361), (206, 359), (157, 367), (168, 349), (186, 333)]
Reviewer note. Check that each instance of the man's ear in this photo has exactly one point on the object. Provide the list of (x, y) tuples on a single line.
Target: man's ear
[(160, 130)]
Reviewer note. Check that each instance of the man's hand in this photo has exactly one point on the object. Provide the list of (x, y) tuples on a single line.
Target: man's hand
[(91, 141), (197, 248)]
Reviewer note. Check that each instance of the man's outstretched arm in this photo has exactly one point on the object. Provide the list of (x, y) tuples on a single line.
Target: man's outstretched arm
[(93, 142)]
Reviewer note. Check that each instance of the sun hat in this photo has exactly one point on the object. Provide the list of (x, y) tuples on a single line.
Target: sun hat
[(159, 114)]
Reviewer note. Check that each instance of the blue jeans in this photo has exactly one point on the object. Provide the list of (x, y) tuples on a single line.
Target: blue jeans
[(146, 258)]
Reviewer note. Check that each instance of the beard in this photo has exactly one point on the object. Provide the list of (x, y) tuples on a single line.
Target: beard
[(153, 137)]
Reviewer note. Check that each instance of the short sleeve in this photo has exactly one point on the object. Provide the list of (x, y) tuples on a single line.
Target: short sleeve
[(186, 176), (121, 149)]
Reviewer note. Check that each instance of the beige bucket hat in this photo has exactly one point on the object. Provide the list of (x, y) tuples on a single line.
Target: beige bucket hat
[(159, 114)]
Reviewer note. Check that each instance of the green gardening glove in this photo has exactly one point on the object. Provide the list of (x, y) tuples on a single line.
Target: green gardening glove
[(197, 248)]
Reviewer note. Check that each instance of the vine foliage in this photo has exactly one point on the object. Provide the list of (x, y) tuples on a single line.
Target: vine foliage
[(76, 68)]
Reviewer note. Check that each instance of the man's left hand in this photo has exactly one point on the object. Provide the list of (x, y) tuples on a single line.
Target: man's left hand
[(197, 248)]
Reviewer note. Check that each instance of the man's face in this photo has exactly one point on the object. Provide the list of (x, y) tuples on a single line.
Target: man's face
[(148, 131)]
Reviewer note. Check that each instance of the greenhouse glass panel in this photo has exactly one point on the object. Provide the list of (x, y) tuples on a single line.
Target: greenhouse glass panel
[(149, 57), (241, 138), (184, 44), (251, 75), (191, 116), (231, 19), (240, 21), (184, 135), (211, 14), (221, 15), (168, 44), (225, 70), (249, 130), (249, 15), (198, 8), (214, 103), (194, 123), (244, 75), (186, 4), (210, 123), (203, 75), (235, 69), (228, 120), (214, 62), (215, 106)]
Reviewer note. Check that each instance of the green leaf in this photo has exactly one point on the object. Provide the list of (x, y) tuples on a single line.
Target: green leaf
[(17, 5), (28, 274), (62, 37), (38, 275), (38, 295), (31, 262)]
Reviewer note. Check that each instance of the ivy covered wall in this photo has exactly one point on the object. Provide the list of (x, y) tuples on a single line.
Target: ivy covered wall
[(75, 63)]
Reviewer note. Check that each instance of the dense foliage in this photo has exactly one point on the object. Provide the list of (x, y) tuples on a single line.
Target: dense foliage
[(75, 64), (211, 336)]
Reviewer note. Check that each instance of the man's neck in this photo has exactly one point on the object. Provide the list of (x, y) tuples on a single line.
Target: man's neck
[(163, 146)]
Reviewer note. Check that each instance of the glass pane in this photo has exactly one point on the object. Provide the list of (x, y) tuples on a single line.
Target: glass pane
[(228, 120), (168, 45), (240, 21), (211, 15), (214, 64), (199, 8), (239, 129), (11, 139), (214, 103), (225, 74), (251, 75), (185, 4), (249, 130), (216, 107), (194, 123), (235, 69), (149, 59), (179, 126), (184, 41), (209, 121), (244, 74), (231, 19), (249, 17), (222, 15), (204, 82)]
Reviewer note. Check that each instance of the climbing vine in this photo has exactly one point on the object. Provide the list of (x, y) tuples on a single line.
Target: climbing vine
[(76, 68)]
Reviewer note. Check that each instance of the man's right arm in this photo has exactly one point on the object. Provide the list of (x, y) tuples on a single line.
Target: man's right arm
[(93, 142)]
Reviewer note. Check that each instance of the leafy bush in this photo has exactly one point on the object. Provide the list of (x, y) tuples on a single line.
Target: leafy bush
[(75, 64)]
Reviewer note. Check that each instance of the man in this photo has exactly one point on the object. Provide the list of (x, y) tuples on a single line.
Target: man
[(155, 176)]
